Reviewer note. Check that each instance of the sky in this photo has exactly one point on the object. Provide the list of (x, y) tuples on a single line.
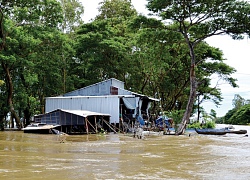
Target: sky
[(236, 53)]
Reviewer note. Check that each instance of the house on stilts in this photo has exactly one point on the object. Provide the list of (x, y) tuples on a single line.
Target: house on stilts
[(105, 105)]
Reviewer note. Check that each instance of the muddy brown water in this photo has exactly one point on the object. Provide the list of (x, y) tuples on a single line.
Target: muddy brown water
[(118, 156)]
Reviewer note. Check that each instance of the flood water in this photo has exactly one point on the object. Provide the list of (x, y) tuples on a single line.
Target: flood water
[(118, 156)]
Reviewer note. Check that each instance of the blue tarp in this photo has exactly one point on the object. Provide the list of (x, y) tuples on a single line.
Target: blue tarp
[(141, 120), (159, 121)]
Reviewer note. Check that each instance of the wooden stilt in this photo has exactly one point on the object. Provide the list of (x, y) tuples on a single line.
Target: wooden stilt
[(86, 123), (95, 125), (91, 125), (109, 125)]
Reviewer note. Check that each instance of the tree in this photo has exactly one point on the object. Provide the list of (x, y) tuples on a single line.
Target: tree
[(241, 116), (116, 10), (161, 61), (239, 113), (198, 20), (19, 22), (238, 101), (103, 46), (72, 12)]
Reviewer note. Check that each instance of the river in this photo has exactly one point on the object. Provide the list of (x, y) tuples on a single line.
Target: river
[(117, 156)]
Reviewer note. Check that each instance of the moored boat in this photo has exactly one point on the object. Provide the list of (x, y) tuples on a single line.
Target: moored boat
[(209, 131), (40, 128), (222, 131), (241, 131)]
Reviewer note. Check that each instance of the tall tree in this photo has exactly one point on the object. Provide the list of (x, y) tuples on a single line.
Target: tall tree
[(104, 46), (238, 101), (72, 12), (19, 22), (198, 20), (161, 61), (72, 19)]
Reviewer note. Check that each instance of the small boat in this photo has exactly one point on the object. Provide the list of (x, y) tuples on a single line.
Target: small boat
[(241, 131), (222, 131), (40, 128), (211, 131)]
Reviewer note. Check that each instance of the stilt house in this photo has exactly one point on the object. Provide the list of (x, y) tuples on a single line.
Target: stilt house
[(106, 97)]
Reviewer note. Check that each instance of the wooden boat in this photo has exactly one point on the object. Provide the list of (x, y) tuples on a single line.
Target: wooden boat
[(222, 131), (211, 131), (241, 131), (40, 128)]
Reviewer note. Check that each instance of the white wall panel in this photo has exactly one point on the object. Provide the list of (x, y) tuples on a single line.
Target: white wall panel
[(101, 104)]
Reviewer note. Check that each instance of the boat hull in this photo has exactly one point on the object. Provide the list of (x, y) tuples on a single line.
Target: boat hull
[(40, 128), (238, 132), (210, 131), (219, 131), (38, 131)]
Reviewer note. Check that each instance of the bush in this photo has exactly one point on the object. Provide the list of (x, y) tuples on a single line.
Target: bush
[(209, 124), (194, 125), (176, 115)]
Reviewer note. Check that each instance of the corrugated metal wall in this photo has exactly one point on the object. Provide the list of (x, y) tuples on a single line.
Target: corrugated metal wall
[(101, 104)]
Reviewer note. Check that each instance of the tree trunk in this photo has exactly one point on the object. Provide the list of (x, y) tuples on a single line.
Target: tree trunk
[(27, 116), (2, 37), (198, 110), (190, 103), (1, 123), (9, 85), (192, 94)]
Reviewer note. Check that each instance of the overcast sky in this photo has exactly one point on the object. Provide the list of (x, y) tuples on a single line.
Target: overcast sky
[(236, 52)]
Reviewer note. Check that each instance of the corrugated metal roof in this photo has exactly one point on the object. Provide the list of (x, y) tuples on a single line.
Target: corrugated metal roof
[(84, 113), (137, 94), (109, 96), (92, 85), (122, 92)]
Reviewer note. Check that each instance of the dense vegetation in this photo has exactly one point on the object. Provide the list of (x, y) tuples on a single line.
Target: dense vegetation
[(46, 50), (198, 125), (240, 114)]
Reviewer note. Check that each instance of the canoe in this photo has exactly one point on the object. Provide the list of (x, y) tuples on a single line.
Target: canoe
[(209, 131), (241, 131), (222, 131)]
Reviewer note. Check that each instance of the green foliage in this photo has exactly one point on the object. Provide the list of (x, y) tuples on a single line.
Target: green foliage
[(176, 115), (198, 20), (72, 12), (24, 27), (194, 125), (241, 116), (207, 18), (219, 120), (208, 124), (121, 10), (1, 82), (229, 114), (104, 46), (238, 101)]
